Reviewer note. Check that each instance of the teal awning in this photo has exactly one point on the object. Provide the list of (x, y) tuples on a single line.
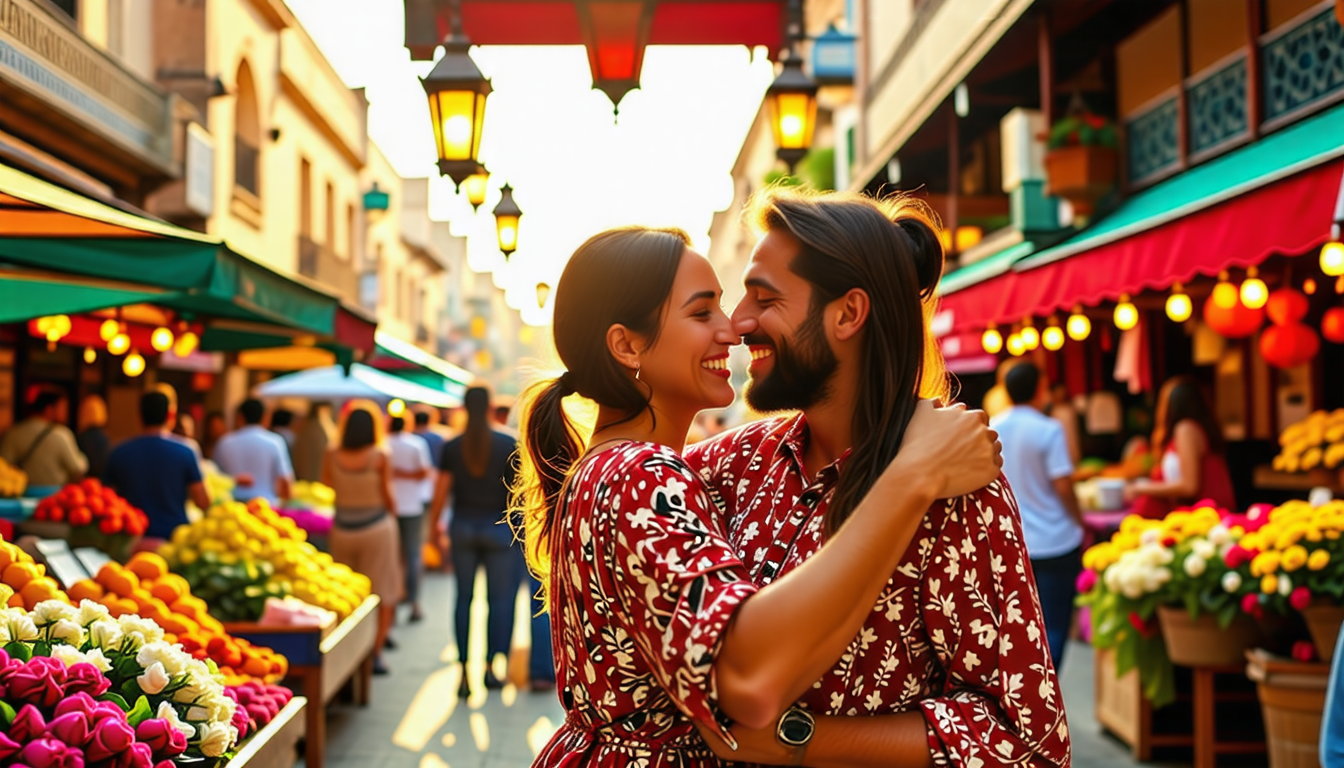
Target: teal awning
[(990, 266), (25, 295), (408, 361)]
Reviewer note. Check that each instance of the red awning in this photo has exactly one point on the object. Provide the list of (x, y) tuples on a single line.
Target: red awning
[(1290, 217), (355, 329)]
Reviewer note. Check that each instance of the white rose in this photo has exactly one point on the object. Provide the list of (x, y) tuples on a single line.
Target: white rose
[(1204, 548), (1195, 565), (1219, 535), (20, 627), (168, 712), (89, 612), (95, 657), (154, 679), (221, 707), (1150, 536), (67, 631), (67, 655), (1285, 585), (189, 693), (198, 714), (1166, 557), (131, 623), (1231, 581), (51, 611), (105, 634), (217, 738)]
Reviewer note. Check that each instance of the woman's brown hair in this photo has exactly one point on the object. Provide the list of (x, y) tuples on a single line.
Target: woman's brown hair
[(476, 437), (621, 276)]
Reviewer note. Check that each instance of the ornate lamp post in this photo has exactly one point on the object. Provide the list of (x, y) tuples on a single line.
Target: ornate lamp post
[(507, 214), (792, 98), (475, 186), (457, 90)]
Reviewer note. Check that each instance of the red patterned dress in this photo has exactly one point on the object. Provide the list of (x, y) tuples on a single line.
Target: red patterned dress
[(956, 635), (643, 583)]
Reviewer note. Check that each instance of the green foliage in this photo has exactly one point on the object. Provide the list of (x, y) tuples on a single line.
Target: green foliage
[(1085, 129), (816, 170)]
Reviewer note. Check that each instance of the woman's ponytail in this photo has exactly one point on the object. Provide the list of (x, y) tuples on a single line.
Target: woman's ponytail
[(551, 446)]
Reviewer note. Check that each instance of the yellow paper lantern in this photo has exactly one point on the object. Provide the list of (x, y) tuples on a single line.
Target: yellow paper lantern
[(90, 355), (1015, 345), (161, 340), (1052, 338), (1179, 307), (1031, 338), (1332, 258), (133, 365), (119, 344), (1225, 295), (1126, 314), (1078, 326), (109, 329), (396, 408), (991, 341), (1254, 293), (186, 344)]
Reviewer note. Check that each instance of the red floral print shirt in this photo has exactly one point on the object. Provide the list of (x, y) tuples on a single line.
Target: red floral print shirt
[(956, 635), (643, 583)]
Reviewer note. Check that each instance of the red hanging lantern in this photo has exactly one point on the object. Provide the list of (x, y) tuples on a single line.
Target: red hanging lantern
[(1332, 325), (1235, 322), (1288, 346), (1287, 306)]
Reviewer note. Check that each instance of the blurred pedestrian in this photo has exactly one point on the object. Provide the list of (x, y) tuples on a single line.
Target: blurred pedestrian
[(363, 534), (257, 459), (411, 467), (477, 470), (310, 445), (155, 472), (1061, 409), (1038, 467), (282, 420), (1192, 459), (42, 445), (92, 440), (215, 428), (174, 417), (427, 427)]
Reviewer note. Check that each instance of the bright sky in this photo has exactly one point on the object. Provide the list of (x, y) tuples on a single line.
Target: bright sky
[(575, 170)]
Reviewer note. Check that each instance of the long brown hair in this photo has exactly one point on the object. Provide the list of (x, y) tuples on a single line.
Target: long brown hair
[(889, 249), (476, 437), (1182, 398), (621, 276)]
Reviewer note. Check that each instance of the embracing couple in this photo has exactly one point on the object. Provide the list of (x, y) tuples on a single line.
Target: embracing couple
[(847, 586)]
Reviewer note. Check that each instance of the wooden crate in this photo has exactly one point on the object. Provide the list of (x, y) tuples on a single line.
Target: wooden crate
[(276, 745), (1123, 711)]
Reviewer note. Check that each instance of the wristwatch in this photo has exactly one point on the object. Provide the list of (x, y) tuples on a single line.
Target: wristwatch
[(794, 730)]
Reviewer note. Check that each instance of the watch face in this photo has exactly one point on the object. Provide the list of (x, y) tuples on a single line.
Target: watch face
[(795, 728)]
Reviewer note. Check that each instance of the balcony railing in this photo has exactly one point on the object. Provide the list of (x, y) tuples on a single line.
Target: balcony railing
[(320, 263), (246, 159)]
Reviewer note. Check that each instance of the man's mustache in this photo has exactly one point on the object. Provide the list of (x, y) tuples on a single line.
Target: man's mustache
[(757, 340)]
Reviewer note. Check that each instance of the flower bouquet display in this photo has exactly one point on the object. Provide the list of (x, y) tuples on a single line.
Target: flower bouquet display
[(97, 516), (1185, 568), (57, 651)]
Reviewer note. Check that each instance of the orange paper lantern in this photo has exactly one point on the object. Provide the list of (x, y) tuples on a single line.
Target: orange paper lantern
[(1287, 306), (1235, 322), (1288, 346), (1332, 325)]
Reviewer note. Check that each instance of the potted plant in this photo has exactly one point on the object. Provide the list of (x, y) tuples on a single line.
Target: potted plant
[(1081, 162)]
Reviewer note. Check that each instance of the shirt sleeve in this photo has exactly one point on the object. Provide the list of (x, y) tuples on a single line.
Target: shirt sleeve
[(1058, 462), (677, 580), (74, 461), (1002, 703), (193, 467), (283, 467)]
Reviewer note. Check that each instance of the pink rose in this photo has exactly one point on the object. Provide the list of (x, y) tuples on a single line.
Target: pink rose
[(71, 728), (258, 713), (82, 703), (241, 718), (110, 737), (28, 724), (158, 734), (8, 747), (51, 753), (139, 756), (1304, 651), (1300, 598), (106, 710), (40, 681), (86, 678), (1086, 581)]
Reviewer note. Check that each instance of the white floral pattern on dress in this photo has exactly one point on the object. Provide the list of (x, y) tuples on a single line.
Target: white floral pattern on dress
[(643, 584), (956, 635)]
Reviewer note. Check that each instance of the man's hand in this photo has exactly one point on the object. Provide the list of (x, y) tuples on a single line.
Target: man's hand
[(753, 746), (952, 447)]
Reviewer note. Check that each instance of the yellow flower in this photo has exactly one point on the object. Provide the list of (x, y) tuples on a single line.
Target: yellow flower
[(1265, 563), (1294, 557), (1318, 560), (1269, 584), (1132, 524)]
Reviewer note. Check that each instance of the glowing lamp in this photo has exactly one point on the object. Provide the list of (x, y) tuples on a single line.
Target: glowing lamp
[(161, 340), (186, 344), (109, 329), (1078, 326), (1309, 286), (1254, 294), (1052, 338), (1332, 258), (1031, 338), (119, 344), (1126, 314), (397, 408), (1225, 296), (792, 99), (1179, 307), (969, 237), (991, 341), (1235, 322), (478, 327), (475, 187), (133, 365), (457, 90), (90, 355), (507, 214), (1332, 325), (1015, 346)]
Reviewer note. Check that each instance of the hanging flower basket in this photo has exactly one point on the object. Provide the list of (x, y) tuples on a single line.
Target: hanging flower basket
[(1083, 175), (1323, 622), (1200, 642)]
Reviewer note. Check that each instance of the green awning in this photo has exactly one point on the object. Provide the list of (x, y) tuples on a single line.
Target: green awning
[(399, 358), (29, 295)]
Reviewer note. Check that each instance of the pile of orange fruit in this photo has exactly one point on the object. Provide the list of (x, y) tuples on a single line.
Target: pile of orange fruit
[(24, 582), (145, 587)]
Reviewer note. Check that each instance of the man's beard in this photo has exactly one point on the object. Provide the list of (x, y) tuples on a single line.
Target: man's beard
[(801, 376)]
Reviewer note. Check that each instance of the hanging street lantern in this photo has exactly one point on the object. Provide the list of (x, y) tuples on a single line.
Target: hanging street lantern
[(507, 214), (1126, 314), (543, 293), (1179, 307), (457, 90), (1078, 326), (991, 341), (376, 199), (475, 186), (134, 364), (792, 98), (162, 339), (1254, 293)]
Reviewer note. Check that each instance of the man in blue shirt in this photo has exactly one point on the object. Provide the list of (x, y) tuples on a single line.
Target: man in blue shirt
[(155, 473), (1037, 464), (256, 458)]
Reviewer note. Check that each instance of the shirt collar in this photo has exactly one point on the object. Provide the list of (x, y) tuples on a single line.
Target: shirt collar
[(794, 441)]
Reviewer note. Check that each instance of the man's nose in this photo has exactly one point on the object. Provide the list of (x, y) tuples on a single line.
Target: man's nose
[(744, 324)]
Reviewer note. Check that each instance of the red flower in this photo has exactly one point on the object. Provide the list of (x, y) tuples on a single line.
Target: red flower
[(1096, 121), (1237, 556), (1304, 651), (1300, 598), (1145, 629), (1251, 604), (1086, 581)]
